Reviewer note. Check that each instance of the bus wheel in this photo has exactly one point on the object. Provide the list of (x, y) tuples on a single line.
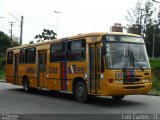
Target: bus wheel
[(117, 98), (26, 85), (81, 92)]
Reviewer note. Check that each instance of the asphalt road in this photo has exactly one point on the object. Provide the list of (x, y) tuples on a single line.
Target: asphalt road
[(13, 100)]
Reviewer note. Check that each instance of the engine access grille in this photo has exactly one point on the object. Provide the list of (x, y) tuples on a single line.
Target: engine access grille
[(131, 77), (131, 80)]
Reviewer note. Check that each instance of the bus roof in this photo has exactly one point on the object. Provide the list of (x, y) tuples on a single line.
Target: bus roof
[(75, 37)]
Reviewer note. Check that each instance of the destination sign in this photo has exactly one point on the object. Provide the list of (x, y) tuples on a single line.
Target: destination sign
[(124, 38)]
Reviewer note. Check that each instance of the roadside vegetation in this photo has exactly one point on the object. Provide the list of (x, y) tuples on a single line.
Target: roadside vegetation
[(2, 67), (5, 42), (155, 65)]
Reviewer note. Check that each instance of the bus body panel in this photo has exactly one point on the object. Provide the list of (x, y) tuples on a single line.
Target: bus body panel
[(9, 74)]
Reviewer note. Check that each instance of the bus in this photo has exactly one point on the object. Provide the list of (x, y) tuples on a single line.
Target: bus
[(102, 64)]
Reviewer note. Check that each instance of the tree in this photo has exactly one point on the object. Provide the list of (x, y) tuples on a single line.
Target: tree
[(134, 17), (31, 42), (46, 35), (5, 42), (143, 16)]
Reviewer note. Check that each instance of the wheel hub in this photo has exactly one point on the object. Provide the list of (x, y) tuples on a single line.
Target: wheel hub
[(80, 91)]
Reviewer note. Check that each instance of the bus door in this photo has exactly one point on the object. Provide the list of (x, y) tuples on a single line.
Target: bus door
[(42, 60), (15, 68), (95, 67)]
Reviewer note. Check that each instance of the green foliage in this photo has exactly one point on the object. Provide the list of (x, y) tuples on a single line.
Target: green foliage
[(155, 65), (2, 74), (2, 68), (5, 42), (31, 42), (156, 84), (46, 35)]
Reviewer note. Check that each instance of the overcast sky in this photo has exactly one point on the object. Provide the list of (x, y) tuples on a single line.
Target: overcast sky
[(77, 16)]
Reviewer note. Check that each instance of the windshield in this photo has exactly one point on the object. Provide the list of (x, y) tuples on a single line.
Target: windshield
[(126, 55)]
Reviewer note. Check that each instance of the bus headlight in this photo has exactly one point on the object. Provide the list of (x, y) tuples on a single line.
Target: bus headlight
[(118, 81), (121, 81), (145, 80)]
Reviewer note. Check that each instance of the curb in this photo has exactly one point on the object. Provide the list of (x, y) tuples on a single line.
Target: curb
[(152, 94), (2, 81)]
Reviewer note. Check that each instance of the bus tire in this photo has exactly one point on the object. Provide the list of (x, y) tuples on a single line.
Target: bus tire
[(81, 93), (26, 86), (118, 98)]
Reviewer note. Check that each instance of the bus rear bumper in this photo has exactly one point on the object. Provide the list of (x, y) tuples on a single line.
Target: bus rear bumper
[(114, 90)]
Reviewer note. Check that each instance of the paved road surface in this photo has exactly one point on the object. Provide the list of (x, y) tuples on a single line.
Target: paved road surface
[(13, 100)]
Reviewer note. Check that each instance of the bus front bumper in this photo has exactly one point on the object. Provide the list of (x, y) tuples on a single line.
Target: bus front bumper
[(119, 89)]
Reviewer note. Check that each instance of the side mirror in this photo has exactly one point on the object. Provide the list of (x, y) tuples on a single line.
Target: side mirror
[(103, 50)]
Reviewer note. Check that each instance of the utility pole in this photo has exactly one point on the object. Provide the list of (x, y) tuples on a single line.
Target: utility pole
[(21, 27), (57, 12), (11, 24), (21, 31)]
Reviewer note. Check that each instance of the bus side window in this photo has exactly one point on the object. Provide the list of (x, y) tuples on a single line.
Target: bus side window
[(22, 56), (26, 56), (76, 50), (10, 57), (57, 52), (31, 55)]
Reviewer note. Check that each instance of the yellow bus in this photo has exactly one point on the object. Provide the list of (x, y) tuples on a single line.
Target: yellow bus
[(103, 64)]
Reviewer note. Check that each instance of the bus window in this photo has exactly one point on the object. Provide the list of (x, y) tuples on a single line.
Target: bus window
[(10, 58), (28, 55), (76, 50), (58, 52), (31, 55), (22, 56)]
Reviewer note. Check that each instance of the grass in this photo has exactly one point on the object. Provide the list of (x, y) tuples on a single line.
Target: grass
[(155, 63)]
